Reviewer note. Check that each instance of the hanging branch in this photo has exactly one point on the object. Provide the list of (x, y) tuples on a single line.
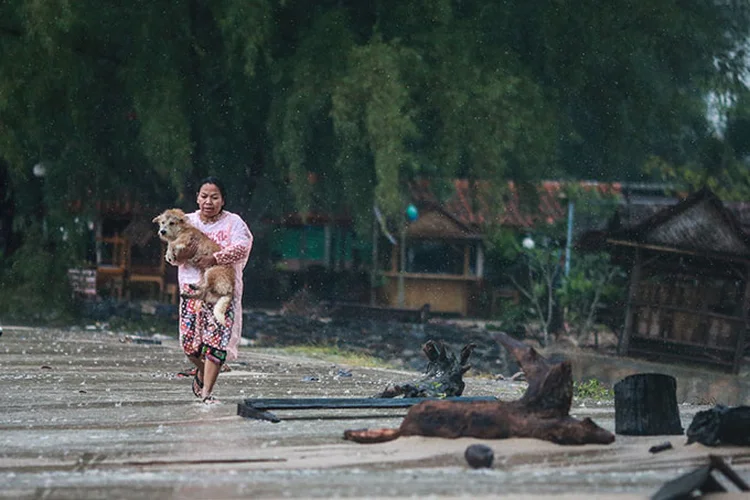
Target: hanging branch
[(549, 272)]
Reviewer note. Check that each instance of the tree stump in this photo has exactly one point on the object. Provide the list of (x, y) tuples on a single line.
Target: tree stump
[(443, 376), (646, 405), (542, 412)]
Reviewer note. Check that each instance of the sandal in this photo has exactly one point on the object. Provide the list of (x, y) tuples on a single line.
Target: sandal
[(187, 372), (210, 400), (197, 386)]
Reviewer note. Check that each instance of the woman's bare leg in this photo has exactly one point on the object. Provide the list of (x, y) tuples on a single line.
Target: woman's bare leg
[(210, 374), (199, 364), (199, 375)]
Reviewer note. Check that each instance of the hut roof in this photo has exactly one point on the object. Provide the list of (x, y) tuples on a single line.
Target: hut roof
[(699, 223), (436, 222)]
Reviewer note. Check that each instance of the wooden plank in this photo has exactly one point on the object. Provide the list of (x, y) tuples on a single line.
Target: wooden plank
[(344, 403), (259, 408)]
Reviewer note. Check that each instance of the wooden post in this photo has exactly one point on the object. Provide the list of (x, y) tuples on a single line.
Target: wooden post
[(374, 267), (480, 260), (742, 327), (467, 259), (402, 269), (635, 278), (394, 258)]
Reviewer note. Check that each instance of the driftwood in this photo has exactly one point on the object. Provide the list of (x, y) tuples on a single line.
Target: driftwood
[(443, 376), (542, 412)]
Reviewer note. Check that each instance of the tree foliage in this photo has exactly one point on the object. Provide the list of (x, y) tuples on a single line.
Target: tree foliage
[(337, 105), (721, 162)]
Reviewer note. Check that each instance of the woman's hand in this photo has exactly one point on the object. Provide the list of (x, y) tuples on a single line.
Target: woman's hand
[(206, 261)]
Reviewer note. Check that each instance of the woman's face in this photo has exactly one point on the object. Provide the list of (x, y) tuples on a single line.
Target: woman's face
[(210, 200)]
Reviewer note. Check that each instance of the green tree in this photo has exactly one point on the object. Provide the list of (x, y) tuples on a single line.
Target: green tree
[(592, 283), (631, 77)]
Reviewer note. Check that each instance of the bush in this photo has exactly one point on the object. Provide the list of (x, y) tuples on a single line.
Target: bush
[(34, 283)]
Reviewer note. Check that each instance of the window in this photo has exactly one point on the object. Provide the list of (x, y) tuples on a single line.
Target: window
[(435, 257)]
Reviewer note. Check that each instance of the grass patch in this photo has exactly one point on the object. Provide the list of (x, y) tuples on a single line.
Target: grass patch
[(592, 389), (336, 355)]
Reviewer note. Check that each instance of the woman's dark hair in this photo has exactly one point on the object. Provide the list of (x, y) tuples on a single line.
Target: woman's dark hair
[(216, 182)]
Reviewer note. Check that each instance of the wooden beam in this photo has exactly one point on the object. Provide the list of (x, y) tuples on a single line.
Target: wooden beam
[(258, 408), (635, 278), (670, 308), (437, 277), (660, 248)]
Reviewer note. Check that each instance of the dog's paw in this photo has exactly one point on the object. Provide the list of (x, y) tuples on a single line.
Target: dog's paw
[(170, 257), (192, 292)]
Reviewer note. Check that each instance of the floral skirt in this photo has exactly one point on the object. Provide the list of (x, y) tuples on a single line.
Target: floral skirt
[(200, 334)]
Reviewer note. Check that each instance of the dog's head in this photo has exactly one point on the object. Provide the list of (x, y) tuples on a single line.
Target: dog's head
[(171, 223)]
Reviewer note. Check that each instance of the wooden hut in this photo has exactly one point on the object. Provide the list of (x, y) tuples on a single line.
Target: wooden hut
[(440, 263), (689, 286)]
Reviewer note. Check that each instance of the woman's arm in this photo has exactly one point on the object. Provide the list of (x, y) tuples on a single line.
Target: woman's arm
[(241, 242)]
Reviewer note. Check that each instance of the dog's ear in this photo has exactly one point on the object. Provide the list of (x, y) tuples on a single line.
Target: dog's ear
[(155, 220), (181, 217)]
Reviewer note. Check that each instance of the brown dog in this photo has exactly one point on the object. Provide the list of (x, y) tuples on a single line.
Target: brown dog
[(185, 243)]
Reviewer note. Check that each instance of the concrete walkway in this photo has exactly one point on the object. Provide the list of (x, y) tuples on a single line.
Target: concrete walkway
[(87, 415)]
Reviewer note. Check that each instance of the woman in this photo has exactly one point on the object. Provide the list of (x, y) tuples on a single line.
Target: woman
[(206, 342)]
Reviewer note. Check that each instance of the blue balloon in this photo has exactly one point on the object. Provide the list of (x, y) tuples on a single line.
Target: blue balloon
[(412, 213)]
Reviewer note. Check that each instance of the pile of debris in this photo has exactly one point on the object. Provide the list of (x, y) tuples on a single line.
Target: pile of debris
[(395, 342)]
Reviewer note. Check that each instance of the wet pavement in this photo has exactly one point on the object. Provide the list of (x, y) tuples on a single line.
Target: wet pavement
[(86, 414)]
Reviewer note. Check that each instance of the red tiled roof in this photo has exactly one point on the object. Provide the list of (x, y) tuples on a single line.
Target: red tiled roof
[(477, 203)]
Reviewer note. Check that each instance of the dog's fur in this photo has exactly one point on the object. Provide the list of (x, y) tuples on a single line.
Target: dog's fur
[(185, 243)]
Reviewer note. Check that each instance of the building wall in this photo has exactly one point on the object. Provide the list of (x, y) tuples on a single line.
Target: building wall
[(445, 294)]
